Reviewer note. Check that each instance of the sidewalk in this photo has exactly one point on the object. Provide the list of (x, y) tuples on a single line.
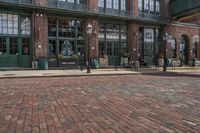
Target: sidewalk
[(94, 72)]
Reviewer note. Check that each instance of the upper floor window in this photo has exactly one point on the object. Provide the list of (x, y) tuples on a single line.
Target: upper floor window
[(146, 5), (101, 3), (123, 4), (140, 5), (116, 4), (8, 24), (108, 3), (157, 6), (151, 5)]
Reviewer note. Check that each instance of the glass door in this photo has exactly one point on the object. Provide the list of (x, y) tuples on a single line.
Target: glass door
[(3, 52), (149, 53), (13, 54), (113, 53)]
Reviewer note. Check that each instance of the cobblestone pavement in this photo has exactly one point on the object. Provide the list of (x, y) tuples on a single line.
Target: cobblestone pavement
[(122, 104)]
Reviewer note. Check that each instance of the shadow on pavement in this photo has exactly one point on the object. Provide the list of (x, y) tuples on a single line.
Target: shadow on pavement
[(174, 74)]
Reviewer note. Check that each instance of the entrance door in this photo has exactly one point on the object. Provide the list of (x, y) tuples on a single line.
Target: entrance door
[(25, 52), (13, 52), (113, 53), (149, 54)]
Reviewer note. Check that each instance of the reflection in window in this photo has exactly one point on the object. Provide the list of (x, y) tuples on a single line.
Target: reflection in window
[(115, 4), (25, 46), (13, 46), (67, 28), (101, 3), (8, 24), (2, 46), (52, 27), (173, 48), (123, 4), (108, 3), (52, 47), (25, 26)]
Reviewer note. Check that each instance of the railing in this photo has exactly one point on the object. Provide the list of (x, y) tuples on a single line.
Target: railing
[(67, 5), (17, 1), (180, 6), (152, 16)]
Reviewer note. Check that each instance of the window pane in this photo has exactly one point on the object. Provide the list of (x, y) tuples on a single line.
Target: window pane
[(151, 5), (148, 35), (1, 24), (25, 46), (5, 23), (109, 3), (25, 26), (157, 6), (123, 4), (52, 47), (2, 46), (67, 28), (13, 46), (116, 4), (66, 47), (80, 29), (101, 3), (52, 27), (140, 5)]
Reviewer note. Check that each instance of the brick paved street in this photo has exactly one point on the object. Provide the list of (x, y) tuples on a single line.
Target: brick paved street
[(137, 103)]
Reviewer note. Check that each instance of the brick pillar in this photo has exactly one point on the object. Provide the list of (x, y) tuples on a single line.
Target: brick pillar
[(190, 41), (133, 39), (133, 7), (40, 30), (93, 38), (93, 5)]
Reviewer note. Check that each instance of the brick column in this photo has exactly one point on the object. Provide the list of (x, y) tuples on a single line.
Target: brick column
[(93, 37), (133, 39), (40, 30), (132, 7)]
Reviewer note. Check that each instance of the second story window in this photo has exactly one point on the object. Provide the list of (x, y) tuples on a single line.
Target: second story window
[(108, 3), (116, 4), (123, 4), (140, 5), (151, 5), (157, 6), (101, 3)]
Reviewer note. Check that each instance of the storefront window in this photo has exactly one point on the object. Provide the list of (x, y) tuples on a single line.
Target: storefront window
[(52, 27), (2, 46), (8, 24), (173, 48), (80, 29), (13, 46), (25, 46), (112, 31), (52, 47), (67, 28)]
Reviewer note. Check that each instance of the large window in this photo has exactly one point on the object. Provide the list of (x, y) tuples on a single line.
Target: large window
[(8, 24), (101, 3), (148, 35), (116, 4), (66, 36), (123, 4), (150, 6), (3, 46), (108, 3)]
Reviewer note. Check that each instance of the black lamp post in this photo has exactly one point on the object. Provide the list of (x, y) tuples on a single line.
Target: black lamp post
[(89, 31), (166, 37)]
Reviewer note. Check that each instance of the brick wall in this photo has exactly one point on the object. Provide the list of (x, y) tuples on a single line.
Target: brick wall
[(176, 31)]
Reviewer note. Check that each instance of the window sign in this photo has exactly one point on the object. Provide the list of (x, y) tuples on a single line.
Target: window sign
[(25, 26)]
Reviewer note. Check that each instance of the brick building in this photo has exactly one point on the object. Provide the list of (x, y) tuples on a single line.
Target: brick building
[(56, 30)]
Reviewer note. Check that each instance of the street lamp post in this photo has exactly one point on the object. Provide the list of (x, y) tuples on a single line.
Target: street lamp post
[(89, 31)]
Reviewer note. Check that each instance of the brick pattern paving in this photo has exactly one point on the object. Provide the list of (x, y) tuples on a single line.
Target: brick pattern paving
[(110, 104)]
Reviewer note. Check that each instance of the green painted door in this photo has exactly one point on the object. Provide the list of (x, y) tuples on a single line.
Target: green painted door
[(15, 52), (3, 52), (113, 53), (25, 54), (149, 54)]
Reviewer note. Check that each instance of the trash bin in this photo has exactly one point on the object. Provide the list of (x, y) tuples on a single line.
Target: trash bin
[(43, 64)]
